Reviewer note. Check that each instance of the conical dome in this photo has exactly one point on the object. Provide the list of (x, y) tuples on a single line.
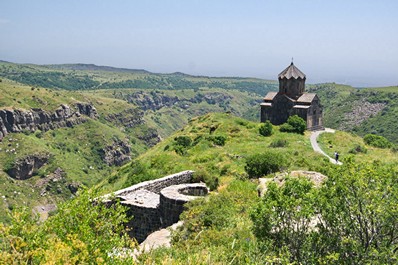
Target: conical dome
[(291, 72)]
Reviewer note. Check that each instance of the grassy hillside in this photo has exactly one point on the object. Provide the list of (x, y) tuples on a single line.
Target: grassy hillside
[(242, 140)]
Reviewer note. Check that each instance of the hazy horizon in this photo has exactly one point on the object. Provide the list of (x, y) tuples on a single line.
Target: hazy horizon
[(348, 42)]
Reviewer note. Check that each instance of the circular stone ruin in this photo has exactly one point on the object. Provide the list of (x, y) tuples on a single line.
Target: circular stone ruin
[(173, 198)]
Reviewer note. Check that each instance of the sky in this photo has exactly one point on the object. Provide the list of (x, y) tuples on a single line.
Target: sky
[(352, 42)]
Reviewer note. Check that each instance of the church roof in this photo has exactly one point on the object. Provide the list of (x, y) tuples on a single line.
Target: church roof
[(306, 97), (291, 72), (270, 96)]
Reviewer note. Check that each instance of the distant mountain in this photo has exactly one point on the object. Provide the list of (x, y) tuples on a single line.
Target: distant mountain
[(90, 76), (93, 67)]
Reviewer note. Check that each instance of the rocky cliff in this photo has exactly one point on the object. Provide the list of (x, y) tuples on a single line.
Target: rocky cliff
[(117, 154), (14, 120), (25, 167), (157, 100), (127, 118)]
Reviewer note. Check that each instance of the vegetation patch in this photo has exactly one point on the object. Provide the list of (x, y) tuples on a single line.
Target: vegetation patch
[(294, 124), (259, 165), (266, 129), (377, 141)]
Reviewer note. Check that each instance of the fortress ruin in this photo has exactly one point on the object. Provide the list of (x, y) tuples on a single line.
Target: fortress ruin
[(157, 203)]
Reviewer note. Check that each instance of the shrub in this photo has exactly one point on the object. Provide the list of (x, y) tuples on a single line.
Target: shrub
[(266, 129), (183, 140), (81, 232), (39, 134), (377, 141), (266, 163), (218, 139), (202, 175), (294, 124), (197, 140), (286, 128), (278, 143), (181, 144), (358, 149)]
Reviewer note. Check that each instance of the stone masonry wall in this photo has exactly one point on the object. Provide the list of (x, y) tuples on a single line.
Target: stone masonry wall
[(173, 198), (157, 203), (158, 184)]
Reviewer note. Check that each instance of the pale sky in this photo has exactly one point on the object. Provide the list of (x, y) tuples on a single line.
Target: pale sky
[(353, 42)]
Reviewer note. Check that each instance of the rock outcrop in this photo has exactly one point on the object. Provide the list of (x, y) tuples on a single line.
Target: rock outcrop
[(157, 100), (25, 167), (150, 137), (127, 118), (14, 120), (87, 109), (117, 154)]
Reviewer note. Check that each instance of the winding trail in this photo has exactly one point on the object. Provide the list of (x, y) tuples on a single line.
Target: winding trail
[(315, 146)]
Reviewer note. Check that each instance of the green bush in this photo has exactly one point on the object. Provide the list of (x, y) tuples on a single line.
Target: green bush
[(81, 232), (259, 165), (294, 124), (278, 143), (218, 139), (377, 141), (286, 128), (266, 129), (358, 149), (347, 220), (183, 140)]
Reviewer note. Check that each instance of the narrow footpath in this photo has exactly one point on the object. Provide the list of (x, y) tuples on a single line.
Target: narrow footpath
[(315, 146)]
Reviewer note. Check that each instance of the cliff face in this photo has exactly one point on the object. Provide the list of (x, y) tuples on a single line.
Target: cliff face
[(25, 167), (13, 121), (157, 100), (127, 118), (117, 154)]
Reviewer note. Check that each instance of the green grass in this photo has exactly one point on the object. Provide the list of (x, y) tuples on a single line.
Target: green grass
[(343, 142)]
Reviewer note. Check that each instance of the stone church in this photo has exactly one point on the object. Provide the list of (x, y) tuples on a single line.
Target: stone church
[(292, 100)]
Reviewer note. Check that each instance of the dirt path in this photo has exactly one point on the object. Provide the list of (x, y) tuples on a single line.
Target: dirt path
[(315, 146)]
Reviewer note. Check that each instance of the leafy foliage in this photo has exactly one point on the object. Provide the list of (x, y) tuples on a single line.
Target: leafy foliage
[(377, 141), (259, 165), (279, 143), (266, 129), (202, 175), (358, 149), (183, 140), (80, 232), (283, 218), (351, 219), (218, 139), (294, 124)]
